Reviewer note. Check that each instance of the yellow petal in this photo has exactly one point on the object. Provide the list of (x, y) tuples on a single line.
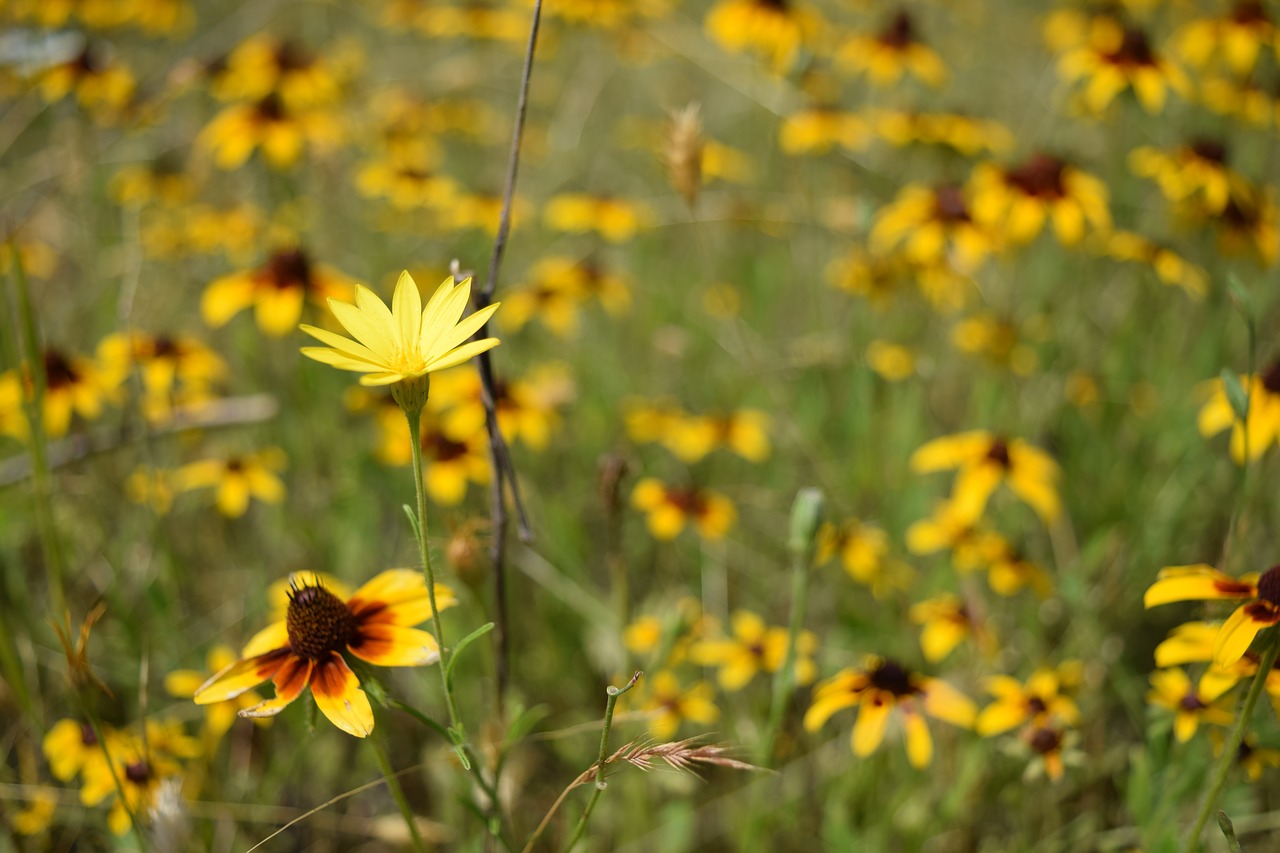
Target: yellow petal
[(1197, 582), (406, 310), (241, 676), (868, 731), (385, 644), (339, 697)]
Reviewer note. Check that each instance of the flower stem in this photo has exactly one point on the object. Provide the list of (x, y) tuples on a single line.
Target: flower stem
[(455, 726), (384, 764), (1232, 746), (613, 694)]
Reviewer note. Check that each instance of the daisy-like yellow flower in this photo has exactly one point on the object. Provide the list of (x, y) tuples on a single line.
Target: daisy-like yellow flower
[(669, 508), (879, 687), (556, 289), (131, 771), (1170, 267), (1192, 705), (162, 182), (1246, 100), (879, 276), (277, 290), (985, 461), (933, 225), (264, 65), (1047, 744), (998, 341), (896, 51), (1253, 758), (863, 548), (101, 85), (1119, 57), (745, 432), (972, 547), (527, 407), (218, 716), (1009, 573), (37, 815), (237, 479), (282, 133), (402, 345), (615, 219), (946, 621), (1043, 700), (1019, 201), (1202, 582), (473, 21), (408, 182), (306, 647), (818, 130), (450, 463), (893, 362), (671, 704), (1262, 427), (774, 30), (68, 746), (74, 385), (1248, 225), (1193, 642), (754, 647), (1237, 37), (178, 371), (968, 135), (1195, 172)]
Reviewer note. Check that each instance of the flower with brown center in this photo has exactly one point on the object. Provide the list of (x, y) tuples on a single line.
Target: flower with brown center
[(1202, 582), (306, 647)]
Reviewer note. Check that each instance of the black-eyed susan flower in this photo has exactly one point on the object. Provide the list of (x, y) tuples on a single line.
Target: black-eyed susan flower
[(1248, 100), (615, 219), (68, 746), (1193, 173), (101, 84), (879, 687), (754, 647), (218, 716), (671, 704), (37, 815), (1193, 642), (969, 135), (131, 771), (1202, 582), (161, 181), (1170, 267), (1254, 759), (668, 509), (895, 51), (1261, 428), (408, 182), (450, 462), (1010, 572), (820, 129), (1249, 224), (774, 30), (282, 133), (999, 341), (972, 547), (276, 291), (1117, 57), (863, 548), (236, 479), (691, 437), (556, 289), (73, 385), (1019, 201), (306, 648), (178, 371), (893, 362), (1042, 701), (402, 345), (1193, 705), (986, 460), (880, 276), (473, 21), (264, 65), (527, 407), (945, 622), (933, 225), (1236, 37), (1048, 745)]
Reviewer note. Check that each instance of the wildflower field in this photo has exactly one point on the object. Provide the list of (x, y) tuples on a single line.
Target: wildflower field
[(612, 425)]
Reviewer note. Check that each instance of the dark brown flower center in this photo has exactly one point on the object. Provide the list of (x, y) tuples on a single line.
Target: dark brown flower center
[(1135, 49), (900, 33), (291, 57), (289, 268), (1036, 705), (689, 501), (893, 678), (234, 465), (1249, 12), (949, 204), (1191, 702), (1271, 379), (87, 737), (1045, 741), (271, 108), (438, 448), (318, 622), (1269, 585), (1243, 751), (1041, 177), (999, 453), (138, 773), (58, 372), (164, 346), (1213, 150)]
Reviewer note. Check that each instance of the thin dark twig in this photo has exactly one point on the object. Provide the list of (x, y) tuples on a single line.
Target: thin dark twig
[(504, 475)]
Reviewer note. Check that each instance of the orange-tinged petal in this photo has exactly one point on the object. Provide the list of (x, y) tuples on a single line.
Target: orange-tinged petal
[(289, 680), (398, 597), (241, 676), (386, 644), (1195, 583), (339, 697)]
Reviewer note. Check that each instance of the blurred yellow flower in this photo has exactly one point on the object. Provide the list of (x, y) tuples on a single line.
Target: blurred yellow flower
[(617, 220), (555, 290), (893, 362), (152, 487), (281, 133), (1262, 428), (178, 371), (946, 622), (896, 51), (1019, 201), (219, 716), (968, 135), (37, 815), (1042, 701), (1193, 705), (818, 130), (1202, 582), (527, 407), (101, 85), (971, 547), (754, 647), (450, 464), (263, 66), (671, 704), (1237, 37), (669, 508), (236, 479), (933, 225), (999, 341), (1196, 172), (132, 770), (73, 385), (774, 30), (1170, 267), (985, 461), (1117, 57), (276, 290)]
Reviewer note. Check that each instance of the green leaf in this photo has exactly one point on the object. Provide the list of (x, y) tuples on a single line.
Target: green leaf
[(1236, 394), (1224, 823), (422, 718), (413, 521), (457, 650)]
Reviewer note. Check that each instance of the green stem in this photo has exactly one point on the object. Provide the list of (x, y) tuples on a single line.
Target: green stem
[(613, 694), (786, 677), (1232, 746), (384, 764), (455, 727)]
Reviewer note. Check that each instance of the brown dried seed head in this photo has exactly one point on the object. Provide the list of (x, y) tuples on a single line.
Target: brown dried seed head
[(682, 151)]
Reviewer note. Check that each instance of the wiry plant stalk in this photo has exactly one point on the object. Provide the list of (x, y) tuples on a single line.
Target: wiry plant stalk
[(384, 764)]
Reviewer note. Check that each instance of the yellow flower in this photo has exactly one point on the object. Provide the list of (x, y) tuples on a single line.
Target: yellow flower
[(1043, 701), (1253, 758), (1020, 201), (281, 132), (1238, 37), (1201, 582), (966, 134), (880, 275), (306, 648), (1194, 642), (744, 431), (159, 182), (470, 21), (754, 647), (893, 362), (68, 746), (1047, 744), (984, 462), (971, 547), (1192, 705), (818, 130), (643, 635), (219, 716), (1197, 171), (37, 815), (616, 220), (527, 408), (669, 508), (263, 65), (557, 286), (237, 479), (607, 14), (74, 385), (671, 704), (407, 182), (481, 211), (932, 225), (407, 341), (1261, 429), (1243, 99), (1009, 572), (136, 767), (879, 686), (177, 371), (277, 291), (897, 50), (1247, 225), (101, 85), (862, 548), (774, 30), (946, 623), (1170, 267), (449, 463), (152, 487), (997, 340), (1119, 57)]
